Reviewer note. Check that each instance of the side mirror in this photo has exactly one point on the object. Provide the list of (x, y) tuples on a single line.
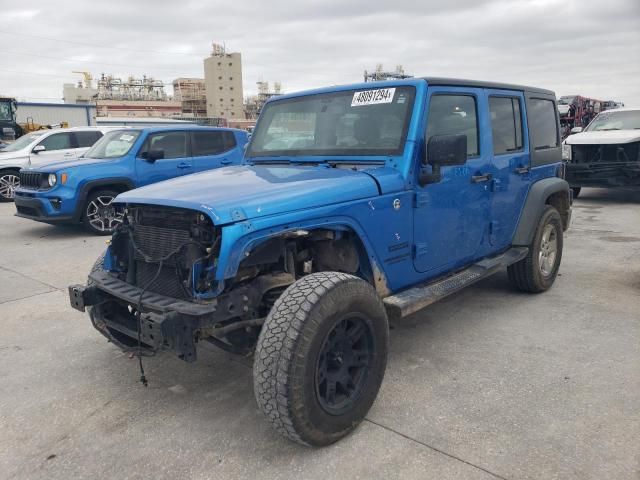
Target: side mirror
[(153, 155), (39, 148), (443, 150), (576, 129)]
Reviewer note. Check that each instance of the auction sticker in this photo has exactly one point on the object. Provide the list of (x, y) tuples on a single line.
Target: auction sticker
[(373, 97)]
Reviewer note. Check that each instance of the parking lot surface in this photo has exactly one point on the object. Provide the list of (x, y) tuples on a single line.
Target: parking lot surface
[(489, 383)]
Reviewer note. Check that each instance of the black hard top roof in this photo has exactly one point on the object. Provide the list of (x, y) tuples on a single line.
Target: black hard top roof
[(459, 82)]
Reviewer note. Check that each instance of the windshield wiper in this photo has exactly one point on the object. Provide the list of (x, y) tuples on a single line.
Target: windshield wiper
[(607, 129)]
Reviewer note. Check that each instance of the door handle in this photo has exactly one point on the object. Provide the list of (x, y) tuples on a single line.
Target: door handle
[(481, 178), (522, 170), (184, 165), (68, 154), (225, 161)]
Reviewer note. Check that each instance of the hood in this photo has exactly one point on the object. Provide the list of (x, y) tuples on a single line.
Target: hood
[(563, 109), (606, 137), (60, 164), (12, 157), (241, 192)]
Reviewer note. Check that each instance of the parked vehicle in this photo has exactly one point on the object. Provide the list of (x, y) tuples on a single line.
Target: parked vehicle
[(606, 153), (82, 190), (356, 205), (39, 148)]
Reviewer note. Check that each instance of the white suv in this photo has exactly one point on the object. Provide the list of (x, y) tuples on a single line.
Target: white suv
[(41, 147)]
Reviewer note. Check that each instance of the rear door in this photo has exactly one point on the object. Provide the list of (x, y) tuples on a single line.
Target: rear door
[(57, 146), (176, 158), (510, 164), (85, 140), (214, 149), (451, 216)]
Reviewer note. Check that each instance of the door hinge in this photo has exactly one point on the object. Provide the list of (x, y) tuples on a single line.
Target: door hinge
[(421, 200), (420, 249)]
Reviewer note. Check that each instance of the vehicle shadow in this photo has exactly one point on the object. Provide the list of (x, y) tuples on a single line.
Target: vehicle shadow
[(608, 196)]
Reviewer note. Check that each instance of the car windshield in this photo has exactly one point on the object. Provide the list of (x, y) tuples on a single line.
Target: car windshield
[(351, 122), (114, 144), (612, 120), (22, 142)]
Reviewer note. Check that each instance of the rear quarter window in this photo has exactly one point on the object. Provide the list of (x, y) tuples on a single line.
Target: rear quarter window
[(542, 115)]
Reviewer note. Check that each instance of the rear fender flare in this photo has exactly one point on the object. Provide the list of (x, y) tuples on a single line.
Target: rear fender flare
[(537, 198)]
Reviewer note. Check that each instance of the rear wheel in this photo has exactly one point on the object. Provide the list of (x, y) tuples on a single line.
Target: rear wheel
[(9, 181), (538, 270), (321, 357), (99, 216), (576, 191)]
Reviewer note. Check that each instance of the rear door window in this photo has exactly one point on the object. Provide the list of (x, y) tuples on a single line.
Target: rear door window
[(87, 139), (208, 143), (451, 114), (542, 122), (506, 124)]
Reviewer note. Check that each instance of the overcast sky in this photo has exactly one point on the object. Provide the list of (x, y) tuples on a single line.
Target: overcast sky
[(588, 47)]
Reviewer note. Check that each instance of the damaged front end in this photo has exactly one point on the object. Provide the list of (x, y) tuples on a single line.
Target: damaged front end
[(156, 288), (604, 165)]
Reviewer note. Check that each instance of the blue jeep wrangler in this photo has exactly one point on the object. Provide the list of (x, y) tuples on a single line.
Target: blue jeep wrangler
[(82, 190), (356, 206)]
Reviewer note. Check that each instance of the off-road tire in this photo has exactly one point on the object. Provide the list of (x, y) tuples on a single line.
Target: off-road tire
[(12, 173), (526, 274), (288, 356), (86, 221), (576, 191)]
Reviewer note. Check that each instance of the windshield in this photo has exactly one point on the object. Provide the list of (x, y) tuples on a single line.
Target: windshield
[(113, 144), (6, 112), (612, 120), (22, 142), (352, 122)]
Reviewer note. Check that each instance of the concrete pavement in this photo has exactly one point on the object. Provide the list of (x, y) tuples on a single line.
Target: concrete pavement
[(489, 383)]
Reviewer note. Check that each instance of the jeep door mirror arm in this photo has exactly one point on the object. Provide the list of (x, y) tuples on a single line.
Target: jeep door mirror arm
[(442, 150)]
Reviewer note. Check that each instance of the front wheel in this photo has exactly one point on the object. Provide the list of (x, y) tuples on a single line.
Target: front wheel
[(99, 216), (321, 357), (538, 270), (9, 181)]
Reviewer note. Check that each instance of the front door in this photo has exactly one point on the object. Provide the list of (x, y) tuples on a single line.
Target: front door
[(58, 146), (451, 217), (176, 159)]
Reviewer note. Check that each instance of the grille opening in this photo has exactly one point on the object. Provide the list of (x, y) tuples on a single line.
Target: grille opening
[(158, 232)]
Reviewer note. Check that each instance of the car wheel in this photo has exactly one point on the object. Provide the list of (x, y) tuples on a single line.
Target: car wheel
[(576, 191), (321, 357), (99, 216), (538, 270), (9, 181)]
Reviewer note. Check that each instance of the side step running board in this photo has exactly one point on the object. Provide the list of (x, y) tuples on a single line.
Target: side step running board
[(416, 298)]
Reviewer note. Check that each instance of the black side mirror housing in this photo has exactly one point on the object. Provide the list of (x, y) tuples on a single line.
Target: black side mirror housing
[(443, 150), (153, 155)]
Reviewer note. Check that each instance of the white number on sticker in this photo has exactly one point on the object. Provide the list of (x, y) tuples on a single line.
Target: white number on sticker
[(373, 97)]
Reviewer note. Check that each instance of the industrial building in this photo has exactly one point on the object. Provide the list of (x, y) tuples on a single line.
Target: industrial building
[(191, 94), (223, 84), (55, 113)]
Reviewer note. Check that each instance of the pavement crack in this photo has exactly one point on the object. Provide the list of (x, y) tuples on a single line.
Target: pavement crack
[(29, 277), (28, 296), (435, 449)]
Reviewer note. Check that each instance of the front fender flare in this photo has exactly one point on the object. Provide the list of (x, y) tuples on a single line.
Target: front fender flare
[(240, 238)]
